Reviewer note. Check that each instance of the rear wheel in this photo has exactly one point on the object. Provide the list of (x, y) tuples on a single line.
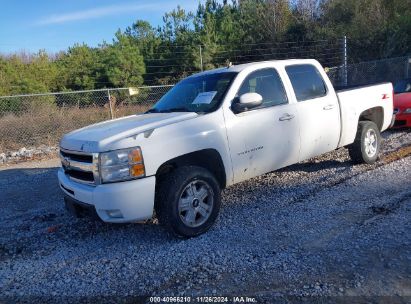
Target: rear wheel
[(188, 201), (366, 146)]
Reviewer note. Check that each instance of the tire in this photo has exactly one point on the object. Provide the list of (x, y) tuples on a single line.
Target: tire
[(188, 201), (366, 146)]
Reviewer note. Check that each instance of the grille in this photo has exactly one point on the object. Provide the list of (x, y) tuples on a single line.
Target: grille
[(78, 157), (80, 167)]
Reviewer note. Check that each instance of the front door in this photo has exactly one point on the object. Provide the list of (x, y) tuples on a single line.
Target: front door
[(265, 138)]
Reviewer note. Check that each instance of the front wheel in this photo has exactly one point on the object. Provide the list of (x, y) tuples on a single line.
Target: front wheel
[(188, 201), (366, 146)]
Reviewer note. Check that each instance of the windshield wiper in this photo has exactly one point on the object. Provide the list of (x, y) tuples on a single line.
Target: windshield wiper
[(151, 111), (177, 109), (181, 109)]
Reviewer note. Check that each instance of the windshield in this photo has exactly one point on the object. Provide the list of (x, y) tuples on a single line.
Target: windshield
[(196, 94), (403, 86)]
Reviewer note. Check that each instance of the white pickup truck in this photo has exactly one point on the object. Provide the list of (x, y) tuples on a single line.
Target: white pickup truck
[(212, 130)]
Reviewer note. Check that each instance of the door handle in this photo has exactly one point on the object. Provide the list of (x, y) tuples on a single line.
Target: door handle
[(329, 107), (286, 117)]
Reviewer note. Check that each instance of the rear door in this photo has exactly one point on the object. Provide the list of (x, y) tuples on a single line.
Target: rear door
[(318, 110)]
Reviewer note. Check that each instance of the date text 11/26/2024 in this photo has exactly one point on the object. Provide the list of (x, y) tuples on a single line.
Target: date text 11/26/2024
[(214, 299)]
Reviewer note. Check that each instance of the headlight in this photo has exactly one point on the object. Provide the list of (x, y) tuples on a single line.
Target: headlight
[(407, 111), (121, 165)]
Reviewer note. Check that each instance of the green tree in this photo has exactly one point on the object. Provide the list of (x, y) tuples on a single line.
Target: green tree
[(79, 68), (376, 28), (123, 65), (239, 31)]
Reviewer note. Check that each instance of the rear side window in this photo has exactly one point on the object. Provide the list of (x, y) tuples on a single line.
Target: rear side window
[(268, 84), (307, 81)]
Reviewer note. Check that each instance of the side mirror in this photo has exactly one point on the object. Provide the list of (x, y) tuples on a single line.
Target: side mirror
[(247, 102)]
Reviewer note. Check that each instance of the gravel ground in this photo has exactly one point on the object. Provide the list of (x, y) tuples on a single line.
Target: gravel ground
[(25, 154), (320, 228)]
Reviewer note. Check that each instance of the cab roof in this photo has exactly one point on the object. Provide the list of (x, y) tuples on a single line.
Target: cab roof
[(240, 67)]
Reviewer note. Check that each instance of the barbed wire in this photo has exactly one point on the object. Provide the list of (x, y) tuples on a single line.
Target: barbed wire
[(163, 67)]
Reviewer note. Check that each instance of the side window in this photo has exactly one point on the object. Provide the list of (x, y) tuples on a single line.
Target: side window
[(307, 82), (268, 84)]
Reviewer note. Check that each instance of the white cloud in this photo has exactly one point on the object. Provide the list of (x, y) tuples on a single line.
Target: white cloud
[(97, 13)]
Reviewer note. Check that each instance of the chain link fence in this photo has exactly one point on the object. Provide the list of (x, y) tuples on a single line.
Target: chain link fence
[(371, 72), (39, 120), (36, 120)]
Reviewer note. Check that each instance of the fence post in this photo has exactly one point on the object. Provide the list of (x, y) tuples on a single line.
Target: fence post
[(201, 58), (109, 102), (407, 69), (345, 62)]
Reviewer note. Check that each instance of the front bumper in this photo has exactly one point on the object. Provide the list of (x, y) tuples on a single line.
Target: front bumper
[(123, 202)]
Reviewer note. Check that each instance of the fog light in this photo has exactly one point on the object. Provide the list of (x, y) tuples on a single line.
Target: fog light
[(114, 213)]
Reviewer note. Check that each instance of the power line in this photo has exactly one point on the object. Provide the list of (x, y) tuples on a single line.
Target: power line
[(256, 43)]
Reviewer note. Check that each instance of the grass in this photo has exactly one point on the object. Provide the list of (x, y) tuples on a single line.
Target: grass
[(45, 124), (397, 155)]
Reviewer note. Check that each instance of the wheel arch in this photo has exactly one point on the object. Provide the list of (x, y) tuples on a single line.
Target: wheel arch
[(209, 159), (375, 115)]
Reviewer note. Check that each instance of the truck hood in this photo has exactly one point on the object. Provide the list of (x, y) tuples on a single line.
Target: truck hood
[(95, 137)]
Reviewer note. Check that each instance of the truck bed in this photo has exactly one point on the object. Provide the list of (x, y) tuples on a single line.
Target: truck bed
[(340, 89), (374, 100)]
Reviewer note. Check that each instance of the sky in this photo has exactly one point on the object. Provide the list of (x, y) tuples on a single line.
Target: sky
[(54, 25)]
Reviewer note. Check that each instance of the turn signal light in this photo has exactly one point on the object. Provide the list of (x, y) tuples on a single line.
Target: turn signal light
[(135, 156), (137, 170)]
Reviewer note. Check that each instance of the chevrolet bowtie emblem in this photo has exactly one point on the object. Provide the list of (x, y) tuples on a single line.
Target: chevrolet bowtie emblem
[(65, 162)]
